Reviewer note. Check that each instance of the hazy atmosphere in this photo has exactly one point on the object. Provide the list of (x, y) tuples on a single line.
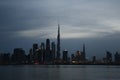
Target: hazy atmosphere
[(93, 22)]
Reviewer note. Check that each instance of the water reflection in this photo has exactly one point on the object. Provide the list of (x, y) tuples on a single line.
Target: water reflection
[(59, 72)]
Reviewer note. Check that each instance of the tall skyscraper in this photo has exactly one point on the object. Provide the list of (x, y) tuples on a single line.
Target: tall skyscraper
[(48, 44), (30, 56), (53, 50), (43, 52), (84, 58), (42, 46), (35, 46), (58, 43), (47, 55)]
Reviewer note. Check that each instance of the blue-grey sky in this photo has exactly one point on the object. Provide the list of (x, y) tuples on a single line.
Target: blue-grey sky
[(93, 22)]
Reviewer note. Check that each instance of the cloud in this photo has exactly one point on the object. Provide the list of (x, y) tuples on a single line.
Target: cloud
[(38, 33), (23, 15), (79, 19)]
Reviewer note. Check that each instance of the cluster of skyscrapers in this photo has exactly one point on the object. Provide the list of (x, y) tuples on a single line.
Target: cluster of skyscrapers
[(47, 53), (50, 53)]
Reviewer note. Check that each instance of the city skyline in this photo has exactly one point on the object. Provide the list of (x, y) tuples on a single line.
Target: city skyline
[(95, 23), (49, 53)]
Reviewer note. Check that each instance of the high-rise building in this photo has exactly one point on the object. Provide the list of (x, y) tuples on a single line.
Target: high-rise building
[(30, 56), (4, 58), (72, 57), (47, 55), (84, 52), (48, 44), (43, 52), (117, 58), (94, 59), (58, 43), (65, 56), (108, 57), (18, 56), (35, 46), (53, 50), (78, 56), (42, 46)]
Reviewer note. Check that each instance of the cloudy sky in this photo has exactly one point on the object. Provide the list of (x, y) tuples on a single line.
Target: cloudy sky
[(93, 22)]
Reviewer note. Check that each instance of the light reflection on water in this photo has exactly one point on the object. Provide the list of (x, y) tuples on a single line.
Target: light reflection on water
[(59, 72)]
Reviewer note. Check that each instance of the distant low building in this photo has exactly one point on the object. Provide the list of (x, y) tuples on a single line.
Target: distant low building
[(4, 58), (117, 58), (94, 59), (65, 57), (108, 57), (18, 56)]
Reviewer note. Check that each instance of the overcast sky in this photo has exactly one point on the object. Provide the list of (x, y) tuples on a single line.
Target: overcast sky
[(93, 22)]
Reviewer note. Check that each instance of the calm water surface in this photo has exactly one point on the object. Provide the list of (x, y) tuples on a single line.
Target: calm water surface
[(60, 72)]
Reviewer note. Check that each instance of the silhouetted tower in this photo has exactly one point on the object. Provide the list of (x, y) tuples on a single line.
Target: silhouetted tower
[(65, 56), (94, 59), (19, 56), (58, 43), (84, 52), (53, 50), (47, 49), (48, 44), (117, 58), (43, 52), (42, 46), (30, 55), (109, 57), (35, 46)]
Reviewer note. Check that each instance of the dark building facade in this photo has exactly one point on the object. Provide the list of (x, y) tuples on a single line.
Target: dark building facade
[(42, 47), (117, 58), (58, 43), (18, 56), (65, 56), (35, 47), (53, 51), (4, 58), (47, 55), (84, 53), (30, 56), (108, 57)]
